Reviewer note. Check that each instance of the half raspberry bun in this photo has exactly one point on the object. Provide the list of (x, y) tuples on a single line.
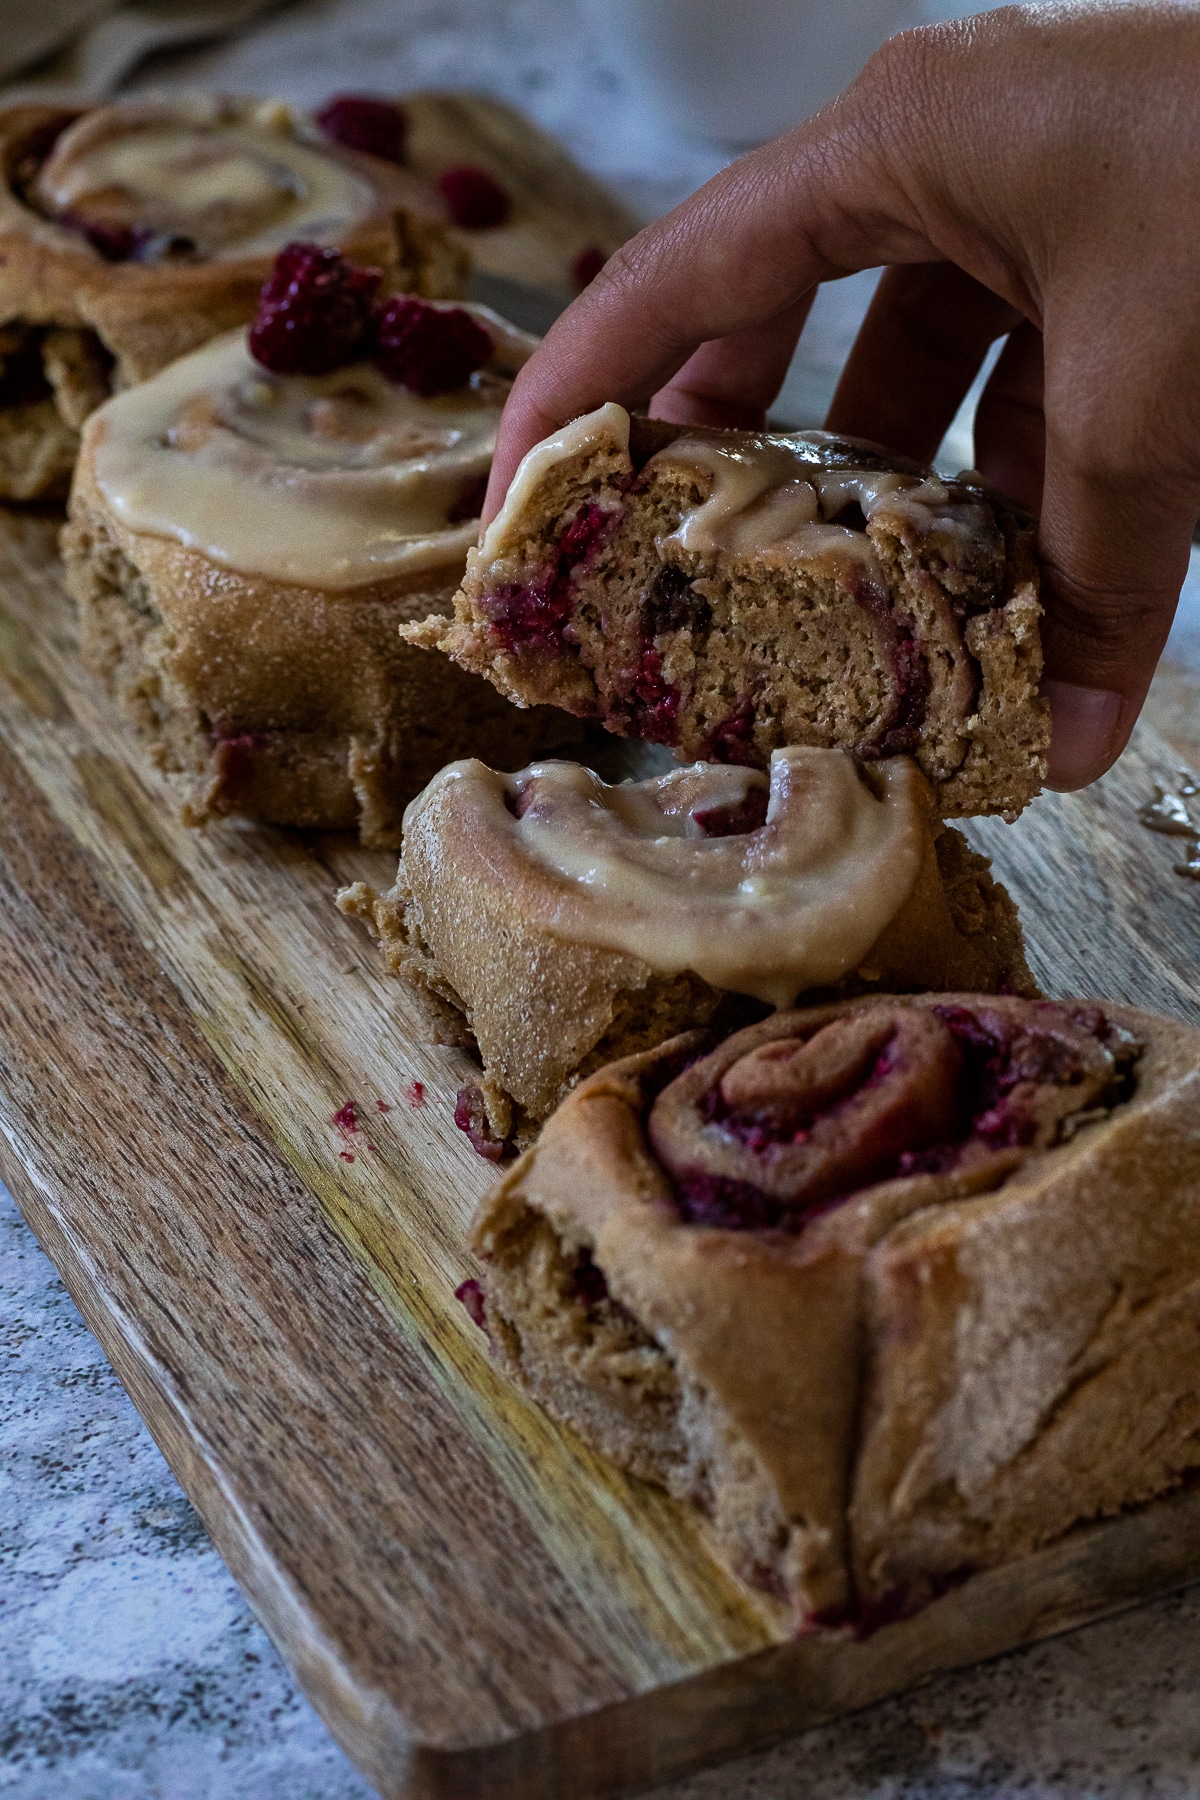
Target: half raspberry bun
[(728, 593), (895, 1289)]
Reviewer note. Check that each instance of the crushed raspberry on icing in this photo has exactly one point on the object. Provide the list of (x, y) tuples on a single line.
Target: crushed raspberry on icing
[(587, 265), (763, 1137), (470, 1115), (429, 349), (736, 818), (315, 312), (474, 199), (536, 614), (361, 122), (470, 1296)]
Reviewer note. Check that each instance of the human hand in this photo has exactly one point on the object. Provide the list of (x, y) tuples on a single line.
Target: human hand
[(1031, 173)]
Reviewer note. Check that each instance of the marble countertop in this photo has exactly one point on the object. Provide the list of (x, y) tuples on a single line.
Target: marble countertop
[(130, 1666)]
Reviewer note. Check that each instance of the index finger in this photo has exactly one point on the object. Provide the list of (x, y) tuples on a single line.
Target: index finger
[(740, 253)]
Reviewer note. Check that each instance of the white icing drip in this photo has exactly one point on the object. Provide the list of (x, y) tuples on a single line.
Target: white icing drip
[(765, 496), (794, 905), (605, 429), (238, 181), (326, 480)]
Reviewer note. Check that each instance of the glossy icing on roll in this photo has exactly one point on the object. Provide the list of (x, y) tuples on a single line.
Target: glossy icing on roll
[(767, 496), (794, 903), (327, 480), (234, 178)]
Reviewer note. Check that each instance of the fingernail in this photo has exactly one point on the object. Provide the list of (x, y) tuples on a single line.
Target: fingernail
[(1085, 732)]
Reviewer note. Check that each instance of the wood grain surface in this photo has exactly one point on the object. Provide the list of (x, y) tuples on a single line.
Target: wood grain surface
[(477, 1605)]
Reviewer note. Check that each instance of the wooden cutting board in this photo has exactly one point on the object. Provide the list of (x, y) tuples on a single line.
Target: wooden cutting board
[(477, 1605)]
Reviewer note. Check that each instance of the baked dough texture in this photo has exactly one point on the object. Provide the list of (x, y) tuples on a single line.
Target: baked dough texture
[(530, 961), (288, 700), (727, 593), (75, 327), (875, 1383)]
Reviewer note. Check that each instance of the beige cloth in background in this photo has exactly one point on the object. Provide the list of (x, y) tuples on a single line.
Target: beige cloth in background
[(85, 49)]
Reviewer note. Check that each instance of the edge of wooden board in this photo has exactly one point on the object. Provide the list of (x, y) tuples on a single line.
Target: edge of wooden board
[(169, 1144)]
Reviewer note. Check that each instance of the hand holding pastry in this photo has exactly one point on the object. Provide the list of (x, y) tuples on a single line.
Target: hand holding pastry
[(1026, 174)]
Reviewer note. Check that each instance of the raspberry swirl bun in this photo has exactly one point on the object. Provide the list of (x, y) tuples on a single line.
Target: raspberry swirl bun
[(133, 232), (243, 546), (895, 1289), (570, 922), (730, 592)]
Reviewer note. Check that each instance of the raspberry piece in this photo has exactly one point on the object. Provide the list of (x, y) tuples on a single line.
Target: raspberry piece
[(314, 312), (427, 349), (470, 1295), (587, 265), (361, 122), (116, 243), (470, 1115), (475, 198)]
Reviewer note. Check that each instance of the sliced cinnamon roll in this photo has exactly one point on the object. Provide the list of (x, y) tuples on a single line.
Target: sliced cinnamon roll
[(569, 922), (895, 1289), (133, 232), (727, 593), (243, 545)]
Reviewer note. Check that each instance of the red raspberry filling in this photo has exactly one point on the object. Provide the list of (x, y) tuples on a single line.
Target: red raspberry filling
[(799, 1123), (737, 817), (474, 198), (361, 122), (427, 349), (731, 740), (536, 615), (470, 1115), (315, 312)]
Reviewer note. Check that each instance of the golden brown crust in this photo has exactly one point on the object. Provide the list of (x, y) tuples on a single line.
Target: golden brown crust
[(294, 705), (903, 1390), (139, 316)]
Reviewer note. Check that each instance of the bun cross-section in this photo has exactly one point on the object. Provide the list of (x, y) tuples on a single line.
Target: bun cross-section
[(729, 593)]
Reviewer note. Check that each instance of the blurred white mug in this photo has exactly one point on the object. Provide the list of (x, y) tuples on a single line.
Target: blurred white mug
[(741, 71)]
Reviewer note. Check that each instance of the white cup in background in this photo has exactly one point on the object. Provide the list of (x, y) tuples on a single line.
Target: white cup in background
[(741, 71)]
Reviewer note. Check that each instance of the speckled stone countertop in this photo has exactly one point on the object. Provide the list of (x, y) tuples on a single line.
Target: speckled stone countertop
[(130, 1667)]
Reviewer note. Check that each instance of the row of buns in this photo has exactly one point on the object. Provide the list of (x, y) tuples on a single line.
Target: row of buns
[(825, 1219)]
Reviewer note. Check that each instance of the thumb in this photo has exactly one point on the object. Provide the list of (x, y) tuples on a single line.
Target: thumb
[(1114, 554)]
